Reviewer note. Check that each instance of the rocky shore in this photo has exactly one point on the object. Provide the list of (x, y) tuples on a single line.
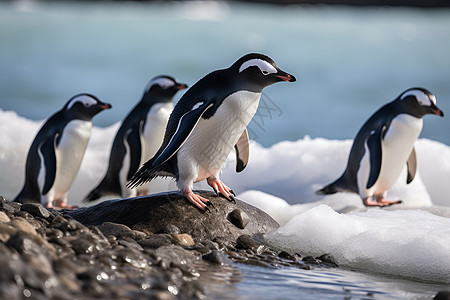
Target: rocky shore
[(141, 248)]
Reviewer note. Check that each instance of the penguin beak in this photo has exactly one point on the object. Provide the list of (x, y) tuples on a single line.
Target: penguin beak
[(285, 76), (181, 86), (105, 106), (437, 111)]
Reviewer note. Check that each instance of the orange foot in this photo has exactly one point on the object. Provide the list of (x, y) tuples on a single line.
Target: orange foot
[(380, 201), (58, 204), (197, 200), (221, 189)]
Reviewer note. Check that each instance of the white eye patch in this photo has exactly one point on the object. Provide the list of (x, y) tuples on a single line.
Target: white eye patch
[(164, 83), (421, 97), (85, 99), (263, 65)]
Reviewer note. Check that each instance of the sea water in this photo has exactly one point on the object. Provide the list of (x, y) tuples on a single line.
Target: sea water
[(348, 61)]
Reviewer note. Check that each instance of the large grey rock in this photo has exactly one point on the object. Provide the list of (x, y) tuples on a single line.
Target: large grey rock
[(155, 212)]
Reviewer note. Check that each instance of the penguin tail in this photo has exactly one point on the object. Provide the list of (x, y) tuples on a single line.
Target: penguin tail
[(93, 195), (146, 173), (338, 186), (328, 190)]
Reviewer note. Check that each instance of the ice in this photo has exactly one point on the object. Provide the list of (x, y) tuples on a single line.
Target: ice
[(407, 243)]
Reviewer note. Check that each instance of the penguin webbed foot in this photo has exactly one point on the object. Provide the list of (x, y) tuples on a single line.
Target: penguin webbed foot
[(221, 189), (379, 202), (199, 201)]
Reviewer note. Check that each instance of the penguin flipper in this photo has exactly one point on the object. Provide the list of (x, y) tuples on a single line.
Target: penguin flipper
[(242, 151), (47, 150), (135, 148), (411, 164), (186, 125), (375, 152)]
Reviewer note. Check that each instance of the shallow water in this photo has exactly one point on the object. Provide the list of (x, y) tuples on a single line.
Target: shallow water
[(240, 281)]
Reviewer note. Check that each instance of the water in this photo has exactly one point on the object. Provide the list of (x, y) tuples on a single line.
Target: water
[(240, 281), (348, 61)]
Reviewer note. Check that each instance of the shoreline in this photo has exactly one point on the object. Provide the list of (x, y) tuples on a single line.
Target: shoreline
[(49, 254)]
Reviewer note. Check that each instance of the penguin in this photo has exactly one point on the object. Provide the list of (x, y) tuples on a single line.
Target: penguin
[(56, 153), (138, 138), (382, 147), (207, 122)]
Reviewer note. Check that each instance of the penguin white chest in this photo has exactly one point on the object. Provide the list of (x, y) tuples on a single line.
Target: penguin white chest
[(397, 145), (154, 129), (69, 154), (212, 140)]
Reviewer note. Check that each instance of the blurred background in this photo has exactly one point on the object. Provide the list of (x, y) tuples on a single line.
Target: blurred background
[(349, 59)]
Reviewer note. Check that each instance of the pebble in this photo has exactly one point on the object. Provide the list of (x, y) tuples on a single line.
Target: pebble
[(287, 255), (217, 257), (239, 218), (246, 242), (22, 225), (36, 209), (183, 239), (171, 229), (117, 230), (156, 241), (4, 218)]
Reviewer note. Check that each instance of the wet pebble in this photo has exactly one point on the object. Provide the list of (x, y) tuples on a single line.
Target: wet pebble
[(117, 230), (246, 242), (217, 257), (156, 241), (4, 217), (36, 209), (171, 229), (183, 239)]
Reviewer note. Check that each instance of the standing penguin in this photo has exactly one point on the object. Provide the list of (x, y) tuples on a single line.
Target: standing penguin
[(208, 121), (138, 138), (57, 151), (383, 146)]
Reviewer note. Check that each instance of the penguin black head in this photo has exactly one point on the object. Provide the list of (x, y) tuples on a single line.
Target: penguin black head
[(419, 102), (84, 106), (260, 70), (162, 88)]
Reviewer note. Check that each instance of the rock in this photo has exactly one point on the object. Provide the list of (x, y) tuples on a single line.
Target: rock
[(83, 246), (130, 243), (153, 213), (4, 218), (311, 260), (183, 239), (442, 295), (246, 242), (118, 230), (22, 225), (217, 257), (9, 207), (23, 244), (286, 255), (156, 241), (171, 229), (6, 231), (36, 209), (328, 259), (238, 218)]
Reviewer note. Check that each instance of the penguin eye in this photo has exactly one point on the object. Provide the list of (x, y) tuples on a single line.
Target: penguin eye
[(265, 72)]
